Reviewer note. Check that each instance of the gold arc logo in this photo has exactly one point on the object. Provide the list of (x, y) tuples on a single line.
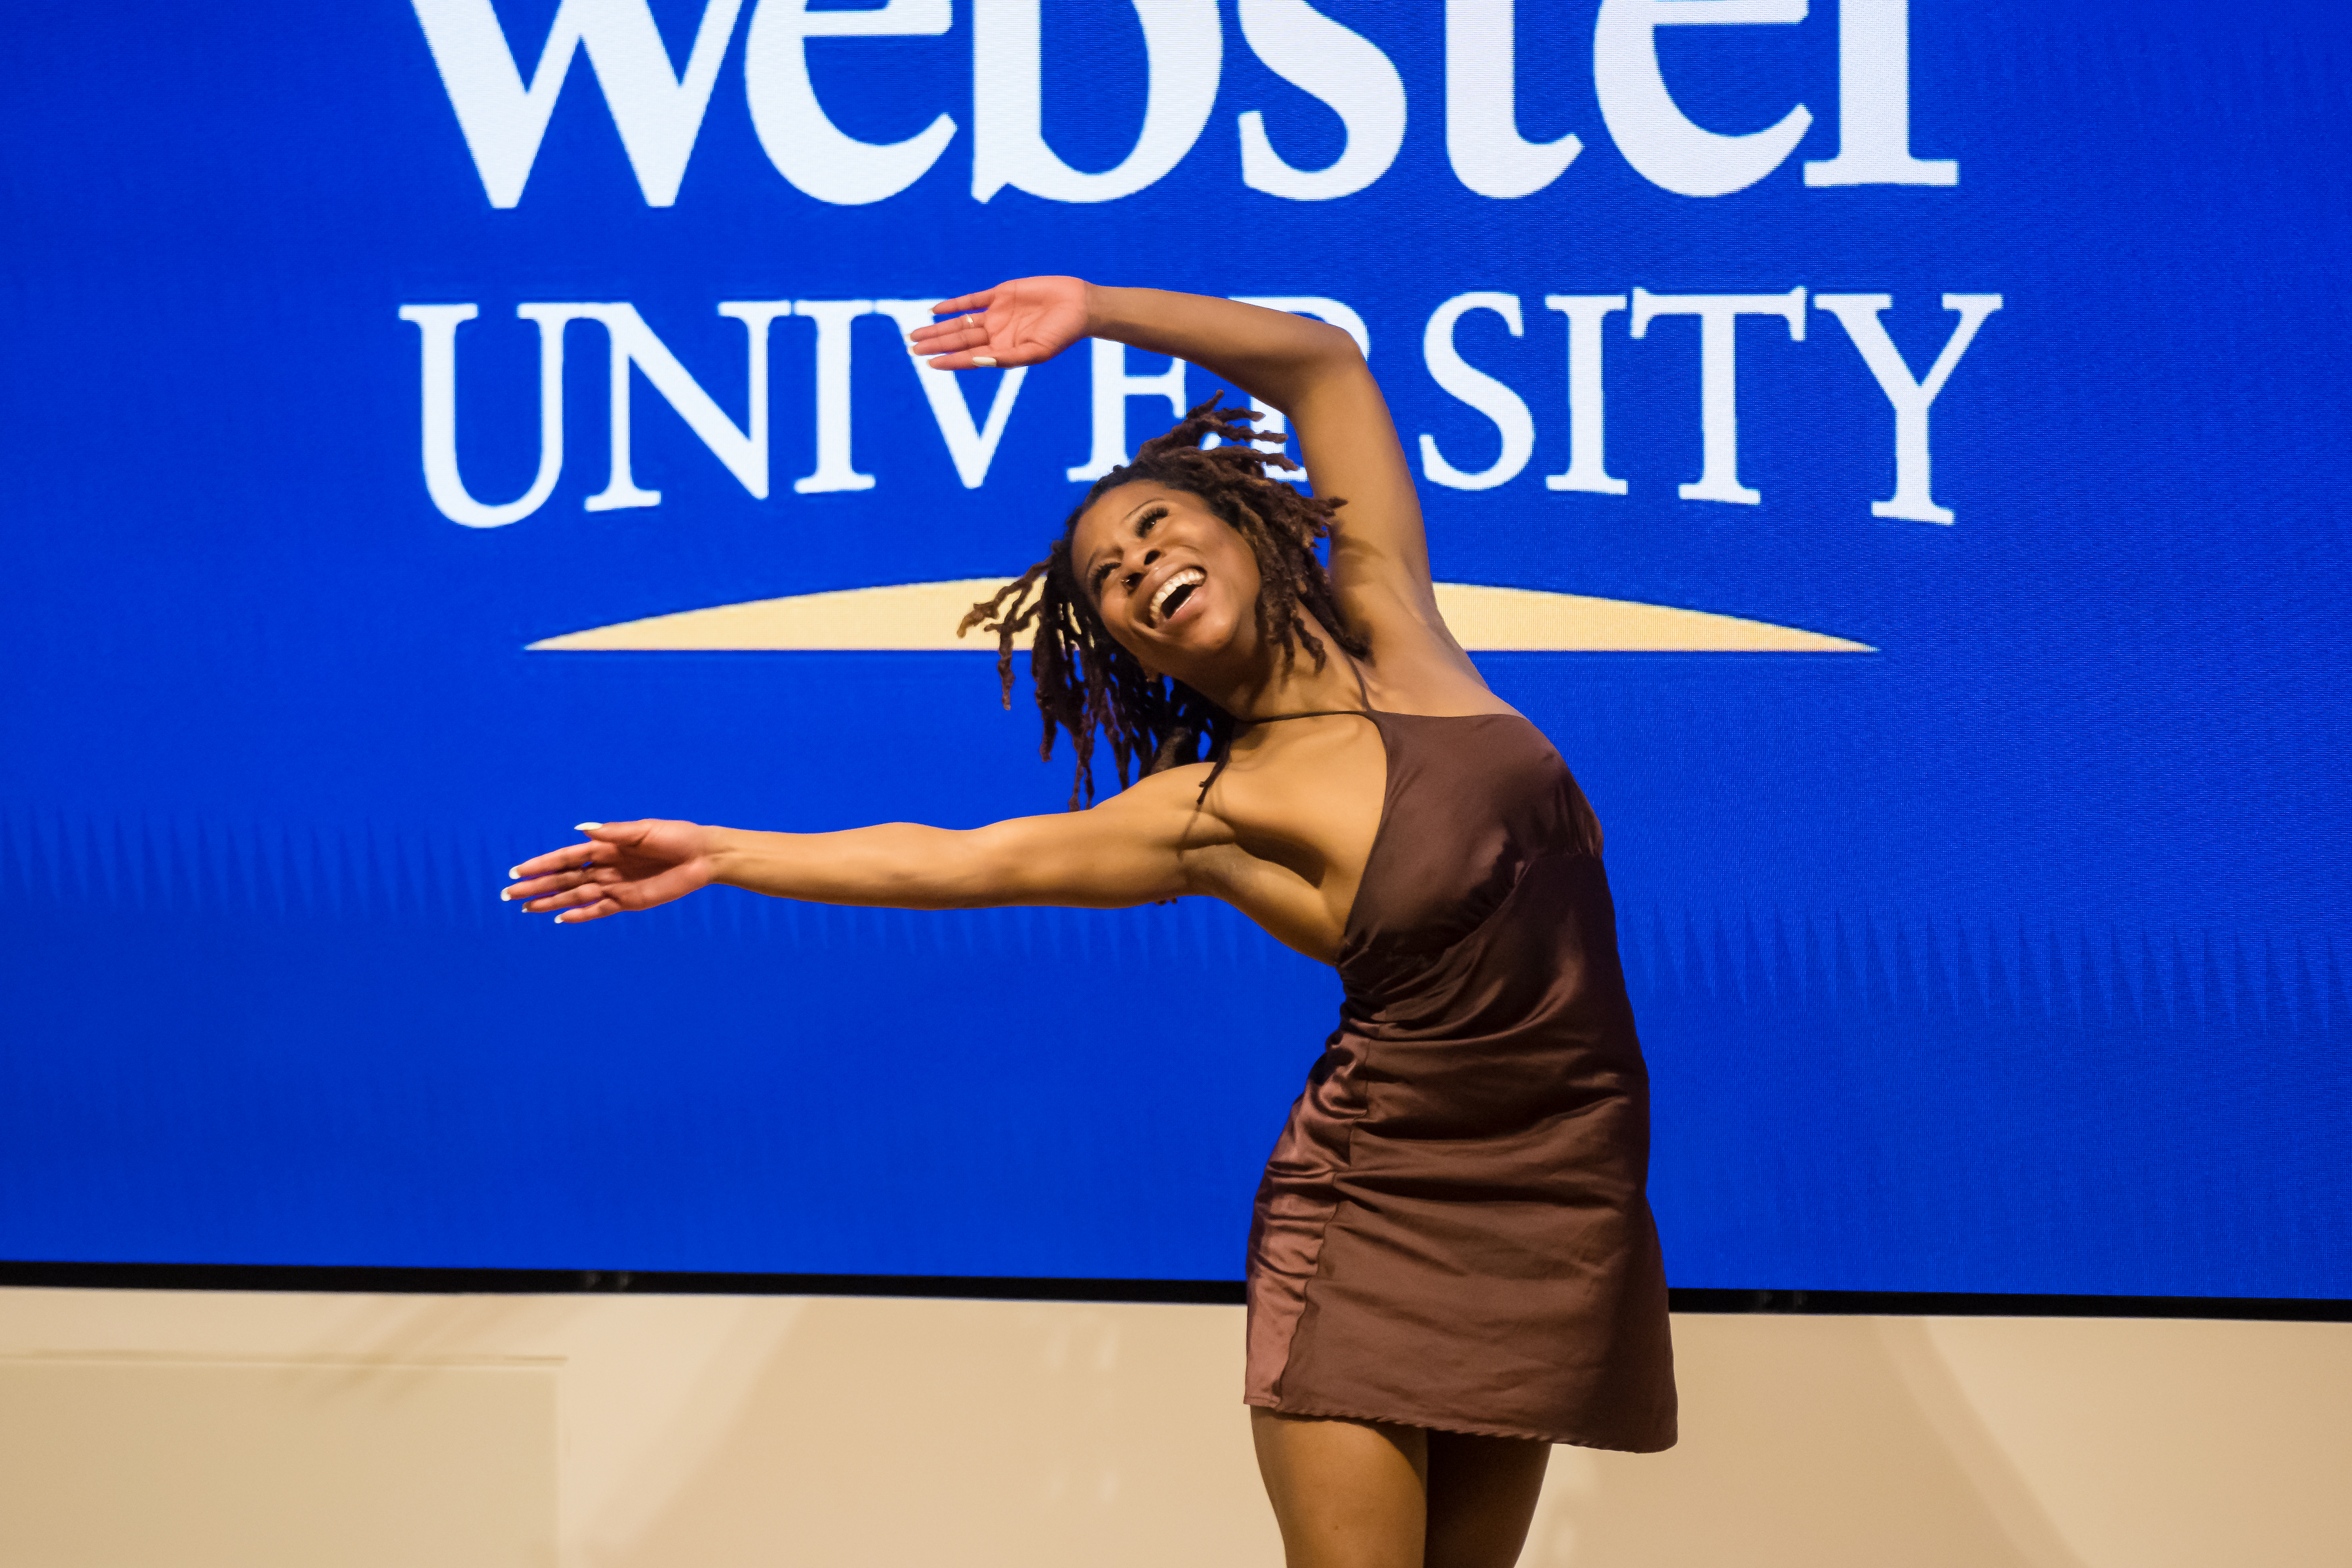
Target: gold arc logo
[(922, 617)]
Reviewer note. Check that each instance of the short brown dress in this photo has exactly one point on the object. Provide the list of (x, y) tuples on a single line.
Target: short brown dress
[(1453, 1232)]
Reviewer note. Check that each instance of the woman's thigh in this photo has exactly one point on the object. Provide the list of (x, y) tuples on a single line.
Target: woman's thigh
[(1347, 1494), (1481, 1496), (1360, 1494)]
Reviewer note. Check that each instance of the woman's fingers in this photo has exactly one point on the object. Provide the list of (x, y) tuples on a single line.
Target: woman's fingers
[(962, 337), (583, 892), (624, 866), (542, 894), (980, 302), (981, 360), (592, 909), (1025, 322), (963, 344), (554, 863), (559, 870), (606, 842), (967, 321), (567, 859)]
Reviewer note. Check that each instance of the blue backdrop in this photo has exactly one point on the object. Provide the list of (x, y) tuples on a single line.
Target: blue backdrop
[(2010, 956)]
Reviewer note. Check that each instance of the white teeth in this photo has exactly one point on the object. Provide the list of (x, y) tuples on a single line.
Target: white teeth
[(1190, 574)]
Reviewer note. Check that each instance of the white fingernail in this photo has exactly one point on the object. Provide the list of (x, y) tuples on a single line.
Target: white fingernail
[(584, 827), (505, 894), (514, 873), (983, 359)]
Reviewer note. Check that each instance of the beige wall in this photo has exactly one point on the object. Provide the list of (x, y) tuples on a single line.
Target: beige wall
[(181, 1430)]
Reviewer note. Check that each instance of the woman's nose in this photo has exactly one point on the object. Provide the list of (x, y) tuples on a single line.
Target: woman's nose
[(1149, 556)]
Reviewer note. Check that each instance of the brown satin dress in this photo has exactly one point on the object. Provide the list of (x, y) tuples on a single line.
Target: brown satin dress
[(1452, 1232)]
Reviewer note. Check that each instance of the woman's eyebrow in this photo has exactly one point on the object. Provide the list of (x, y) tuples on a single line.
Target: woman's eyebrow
[(1096, 564)]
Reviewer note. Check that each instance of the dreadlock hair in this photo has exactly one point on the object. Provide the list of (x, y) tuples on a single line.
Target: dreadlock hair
[(1086, 683)]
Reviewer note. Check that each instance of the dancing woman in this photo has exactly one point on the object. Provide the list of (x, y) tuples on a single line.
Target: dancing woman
[(1453, 1264)]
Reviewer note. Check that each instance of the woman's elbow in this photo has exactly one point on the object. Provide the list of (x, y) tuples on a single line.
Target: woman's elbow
[(976, 870), (1335, 347)]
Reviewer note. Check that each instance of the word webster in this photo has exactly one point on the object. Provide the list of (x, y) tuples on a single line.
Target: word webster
[(660, 110)]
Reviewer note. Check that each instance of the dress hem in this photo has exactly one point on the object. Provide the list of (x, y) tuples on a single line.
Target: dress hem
[(1467, 1429)]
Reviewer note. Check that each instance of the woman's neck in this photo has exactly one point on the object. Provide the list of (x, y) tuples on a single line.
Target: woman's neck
[(1271, 685)]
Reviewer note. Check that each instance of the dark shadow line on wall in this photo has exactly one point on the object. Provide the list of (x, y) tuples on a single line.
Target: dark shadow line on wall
[(1190, 1293)]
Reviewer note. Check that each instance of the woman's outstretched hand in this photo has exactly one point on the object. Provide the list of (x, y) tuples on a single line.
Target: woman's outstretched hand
[(623, 867), (1025, 321)]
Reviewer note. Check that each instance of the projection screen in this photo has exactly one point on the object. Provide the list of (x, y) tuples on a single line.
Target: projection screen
[(1894, 451)]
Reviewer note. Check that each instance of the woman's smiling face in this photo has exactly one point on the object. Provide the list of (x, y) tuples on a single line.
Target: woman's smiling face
[(1175, 584)]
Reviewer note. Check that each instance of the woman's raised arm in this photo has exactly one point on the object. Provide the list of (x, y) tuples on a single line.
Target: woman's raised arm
[(1310, 371), (1131, 849)]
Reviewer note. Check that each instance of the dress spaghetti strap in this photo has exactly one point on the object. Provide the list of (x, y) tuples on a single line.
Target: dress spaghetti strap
[(1225, 753)]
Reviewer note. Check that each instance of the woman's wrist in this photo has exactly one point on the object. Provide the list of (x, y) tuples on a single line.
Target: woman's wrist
[(723, 851)]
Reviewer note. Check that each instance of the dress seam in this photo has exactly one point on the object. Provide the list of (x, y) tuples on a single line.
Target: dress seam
[(1465, 1428), (1323, 1235)]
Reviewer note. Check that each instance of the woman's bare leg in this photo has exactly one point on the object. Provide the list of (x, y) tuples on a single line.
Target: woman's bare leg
[(1362, 1494), (1347, 1494), (1481, 1495)]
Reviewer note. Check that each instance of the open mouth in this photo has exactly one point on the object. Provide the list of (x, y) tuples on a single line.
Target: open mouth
[(1175, 593)]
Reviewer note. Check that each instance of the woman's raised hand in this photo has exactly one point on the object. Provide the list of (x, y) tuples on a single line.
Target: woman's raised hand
[(623, 867), (1025, 321)]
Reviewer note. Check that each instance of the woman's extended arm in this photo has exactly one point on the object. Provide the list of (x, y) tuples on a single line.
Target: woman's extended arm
[(1131, 849), (1312, 372)]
